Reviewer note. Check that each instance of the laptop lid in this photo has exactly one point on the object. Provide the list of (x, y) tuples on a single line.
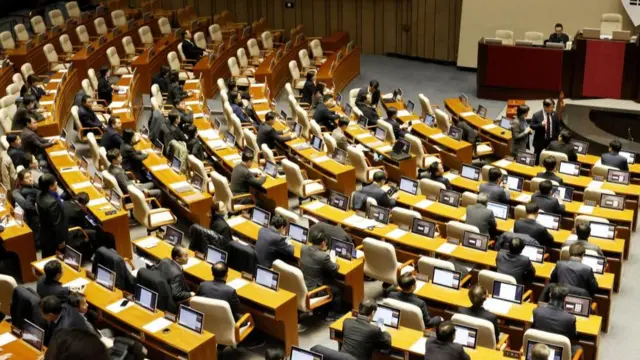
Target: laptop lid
[(340, 156), (72, 149), (423, 227), (401, 146), (297, 129), (146, 298), (535, 253), (596, 263), (176, 164), (380, 134), (408, 185), (63, 135), (466, 336), (114, 199), (173, 236), (363, 122), (144, 132), (191, 319), (261, 217), (455, 133), (410, 106), (387, 315), (106, 277), (602, 230), (158, 147), (463, 99), (429, 120), (501, 211), (32, 334), (577, 305), (267, 278), (301, 354), (564, 193), (215, 255), (446, 278), (470, 172), (338, 200), (482, 111), (580, 147), (526, 158), (72, 258), (271, 169), (316, 143), (197, 181), (611, 201), (341, 248), (507, 292), (550, 221), (475, 240), (449, 197), (569, 168), (618, 176), (298, 233), (514, 183), (379, 214), (555, 352), (230, 139), (505, 123)]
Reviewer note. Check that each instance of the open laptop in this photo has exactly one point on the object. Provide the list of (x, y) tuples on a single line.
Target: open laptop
[(535, 253), (631, 157), (423, 227), (455, 133), (379, 214), (380, 134), (470, 172), (32, 334), (580, 147), (410, 106), (173, 236), (72, 258), (301, 354), (317, 143), (340, 156), (466, 336), (597, 263), (618, 176), (260, 217), (602, 230), (578, 305), (563, 193), (191, 319), (447, 278), (449, 197), (611, 201), (550, 221), (106, 277), (526, 158), (505, 123), (271, 169), (342, 249), (429, 120), (347, 110), (197, 181), (500, 211), (267, 278), (482, 111), (146, 298), (475, 240), (298, 233), (514, 183), (400, 150), (338, 200), (408, 185), (569, 168), (387, 315), (508, 292)]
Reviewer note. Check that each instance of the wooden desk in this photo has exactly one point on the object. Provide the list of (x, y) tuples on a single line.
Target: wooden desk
[(275, 312), (149, 62), (453, 153), (178, 343), (18, 348), (343, 72), (6, 78), (352, 272), (279, 75), (335, 41), (210, 72), (19, 239)]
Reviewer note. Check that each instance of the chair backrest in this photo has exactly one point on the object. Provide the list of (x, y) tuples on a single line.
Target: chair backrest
[(380, 260), (56, 18), (13, 89), (292, 280), (303, 55), (21, 33), (112, 55), (222, 189), (236, 126), (17, 79), (293, 176), (540, 336), (129, 46), (594, 194), (243, 60), (200, 40), (197, 167), (94, 148), (487, 277), (6, 40), (174, 62), (303, 120), (76, 118), (233, 66), (599, 169), (358, 161), (82, 33), (404, 217), (331, 354), (484, 176), (609, 23), (558, 155), (140, 207), (146, 37), (181, 52), (7, 285), (330, 142), (316, 48), (456, 229), (100, 26), (290, 216), (110, 182), (426, 264), (410, 315), (443, 120), (486, 336), (215, 33), (50, 53), (73, 10), (252, 141), (118, 18), (221, 85), (390, 137), (506, 36), (586, 219), (293, 104), (534, 185), (468, 198), (267, 153), (154, 280), (520, 212), (294, 71), (86, 87), (267, 40), (165, 26), (425, 104), (315, 128), (537, 38), (37, 25), (353, 95), (218, 318), (252, 46), (65, 44), (431, 188)]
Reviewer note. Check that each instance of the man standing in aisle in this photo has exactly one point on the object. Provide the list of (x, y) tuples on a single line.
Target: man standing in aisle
[(547, 124)]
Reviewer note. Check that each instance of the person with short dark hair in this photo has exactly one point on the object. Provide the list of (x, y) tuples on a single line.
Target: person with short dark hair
[(105, 89), (49, 283), (530, 226), (480, 216), (272, 242), (24, 113), (373, 90), (339, 134), (131, 158), (171, 270), (59, 316), (190, 50), (309, 88), (218, 224), (242, 179), (118, 172), (77, 213), (87, 116), (545, 201), (583, 231), (363, 103), (520, 130), (558, 36), (33, 143), (552, 317), (442, 347), (239, 109), (317, 97), (563, 145), (613, 157), (174, 126), (375, 191), (79, 303), (512, 262), (175, 93), (435, 172), (33, 87), (325, 117), (361, 338), (111, 138), (185, 112), (194, 146), (407, 284), (540, 351), (274, 354), (26, 188), (267, 134), (162, 79), (573, 272), (54, 228), (399, 130), (494, 188), (329, 231), (318, 270), (17, 154), (71, 344), (477, 295), (549, 164), (218, 289), (547, 124)]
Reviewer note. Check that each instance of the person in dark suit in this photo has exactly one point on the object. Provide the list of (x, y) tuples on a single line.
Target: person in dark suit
[(373, 91), (361, 338), (558, 36), (329, 231), (218, 289), (33, 87), (309, 88), (529, 226), (374, 190), (325, 117), (554, 319), (242, 179), (435, 172), (77, 215), (16, 153), (494, 188), (546, 202), (131, 158), (613, 157), (174, 127), (185, 113), (520, 130), (363, 102), (478, 294), (189, 49), (218, 224), (54, 229), (29, 192), (32, 142), (407, 284), (60, 316), (111, 138), (24, 113), (87, 116), (272, 243), (442, 346), (171, 270), (318, 270), (549, 164), (582, 233), (175, 92), (546, 124), (49, 283), (194, 145), (162, 79), (239, 110), (481, 217), (105, 89), (573, 272), (563, 145), (268, 135), (115, 169), (392, 118), (317, 96), (513, 263)]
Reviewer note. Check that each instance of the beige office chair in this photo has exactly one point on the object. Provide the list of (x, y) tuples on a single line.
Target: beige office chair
[(242, 79), (506, 36), (7, 285), (267, 40), (426, 264), (6, 40), (13, 89), (381, 262), (55, 61), (544, 337), (200, 40), (329, 142), (303, 120), (537, 38), (147, 217), (293, 104), (390, 137), (520, 212), (252, 142), (146, 36), (316, 50), (184, 70), (468, 198), (316, 130), (534, 185), (118, 18), (82, 131), (364, 171), (431, 188), (410, 315), (117, 67), (37, 25), (100, 26), (183, 58), (486, 278), (243, 62), (586, 219), (197, 167), (599, 169), (404, 217), (609, 23), (94, 149), (566, 255), (353, 96), (484, 176), (215, 34), (296, 80), (456, 229), (268, 154), (67, 46), (486, 336), (223, 193), (236, 126), (56, 18), (298, 185), (73, 10), (22, 35), (443, 120), (218, 320), (305, 62), (254, 51), (17, 79), (83, 35), (423, 159), (425, 105), (110, 183), (129, 47), (292, 280), (290, 216), (594, 194), (558, 155), (165, 26)]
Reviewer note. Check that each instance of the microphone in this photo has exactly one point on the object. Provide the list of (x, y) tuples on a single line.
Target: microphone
[(630, 138)]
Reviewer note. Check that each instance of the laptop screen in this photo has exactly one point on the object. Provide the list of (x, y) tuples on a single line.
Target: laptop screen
[(618, 176), (316, 143), (550, 221), (482, 111), (508, 292), (146, 298), (260, 217), (271, 169), (297, 129), (379, 214), (501, 211), (534, 253), (610, 201), (380, 134), (563, 193), (596, 263), (191, 319), (63, 135), (410, 106), (455, 133), (401, 146), (197, 181), (505, 123), (215, 255), (173, 236), (470, 172), (32, 334), (300, 354), (446, 278), (526, 158), (72, 258), (449, 197), (569, 168), (343, 249), (347, 110), (514, 183), (423, 227), (114, 199), (409, 186), (230, 139), (340, 156), (475, 240), (158, 147), (106, 277), (429, 120), (338, 200), (577, 305), (298, 233), (267, 278), (602, 230), (631, 157), (466, 336), (580, 147), (387, 316), (555, 352), (363, 122)]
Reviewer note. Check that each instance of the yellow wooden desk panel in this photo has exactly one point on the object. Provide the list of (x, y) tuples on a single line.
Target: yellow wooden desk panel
[(18, 348)]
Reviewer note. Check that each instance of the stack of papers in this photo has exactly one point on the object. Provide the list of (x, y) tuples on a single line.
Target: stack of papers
[(232, 157), (450, 176), (120, 111), (489, 126), (402, 113), (320, 159), (116, 104), (467, 113), (595, 184), (192, 102), (585, 209), (157, 325), (259, 101), (314, 206), (176, 185), (503, 163), (237, 283), (116, 308), (81, 185), (7, 338), (98, 201), (497, 306), (524, 198), (217, 144), (191, 262), (127, 76), (148, 243), (446, 248), (396, 234), (192, 81), (236, 221), (77, 283), (58, 153), (208, 134), (424, 204), (159, 167), (363, 135), (437, 136)]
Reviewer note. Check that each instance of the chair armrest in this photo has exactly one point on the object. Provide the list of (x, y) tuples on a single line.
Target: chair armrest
[(465, 280), (307, 299), (101, 101), (360, 247), (84, 131), (153, 200), (185, 301), (502, 344), (578, 355), (241, 196), (128, 261), (245, 318), (304, 186), (527, 296), (78, 228), (409, 262)]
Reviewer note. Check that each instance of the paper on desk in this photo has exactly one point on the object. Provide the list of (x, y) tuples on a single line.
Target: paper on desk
[(524, 198), (148, 243), (503, 163), (585, 209), (40, 264), (402, 113), (127, 76), (116, 104), (257, 85), (192, 102), (120, 111), (157, 325), (320, 159), (595, 184), (58, 153), (359, 254), (97, 201), (81, 185), (396, 234), (385, 148), (7, 338), (387, 96), (482, 148), (419, 346), (437, 136), (263, 112), (191, 262), (48, 102), (419, 285), (77, 283), (467, 113), (450, 176), (208, 134), (217, 144), (237, 283), (160, 217), (232, 157), (354, 220), (116, 308), (178, 184), (446, 248), (159, 167), (195, 91), (497, 306), (489, 126), (423, 204), (363, 135), (198, 115), (314, 206), (572, 237), (259, 101), (236, 221), (192, 81)]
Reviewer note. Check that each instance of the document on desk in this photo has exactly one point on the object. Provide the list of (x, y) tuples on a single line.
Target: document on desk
[(56, 80), (356, 221), (467, 113), (396, 234), (40, 264), (236, 221), (503, 163), (524, 198), (116, 308), (191, 262), (232, 157), (192, 81), (483, 148), (419, 346), (120, 111), (423, 204), (179, 184), (116, 104), (77, 283), (217, 144), (148, 243), (198, 115), (157, 325), (208, 134), (446, 248), (572, 237), (402, 113), (58, 153), (127, 76), (419, 285), (7, 338), (437, 136), (263, 112), (81, 185), (314, 205), (98, 201), (594, 184), (450, 176), (385, 148), (48, 102), (237, 283), (192, 102), (489, 126), (258, 101), (320, 159), (359, 254), (497, 306), (362, 136), (585, 209), (69, 169), (160, 167)]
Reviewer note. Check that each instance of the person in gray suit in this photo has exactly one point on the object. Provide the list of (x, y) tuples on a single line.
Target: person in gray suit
[(218, 289), (481, 217), (512, 263), (407, 283), (477, 295), (529, 226), (242, 179), (613, 158), (573, 272), (339, 134), (329, 231), (545, 201), (318, 270), (549, 164), (361, 338), (270, 136), (554, 319), (123, 180), (494, 188), (442, 347), (374, 190), (582, 232), (272, 243), (520, 130)]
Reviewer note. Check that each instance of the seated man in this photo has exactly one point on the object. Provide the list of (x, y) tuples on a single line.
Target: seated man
[(115, 169), (545, 201), (494, 188), (554, 319), (60, 316), (549, 164), (373, 90), (613, 157), (407, 284), (242, 179), (174, 127), (131, 158), (339, 134), (318, 270), (513, 263), (189, 49), (442, 347), (33, 143), (573, 272), (16, 152), (171, 270), (325, 117), (194, 145), (239, 110), (111, 138), (77, 215), (25, 112), (270, 136), (530, 226), (478, 294), (162, 79), (87, 116), (435, 172), (558, 36), (49, 283), (375, 191), (563, 145), (186, 114), (105, 88), (272, 242), (175, 92), (583, 231), (482, 217), (363, 102), (399, 129), (360, 337), (218, 224), (218, 289)]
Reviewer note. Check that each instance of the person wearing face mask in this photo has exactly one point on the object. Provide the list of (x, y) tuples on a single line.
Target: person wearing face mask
[(272, 243)]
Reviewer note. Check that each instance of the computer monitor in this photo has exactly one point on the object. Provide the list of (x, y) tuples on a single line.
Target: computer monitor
[(463, 99), (618, 176), (340, 156), (267, 278), (114, 199), (146, 298), (470, 172), (387, 315), (526, 158), (449, 197), (341, 248), (602, 230), (83, 164), (505, 123), (555, 352), (298, 233), (230, 139), (563, 193), (144, 132), (338, 200), (363, 122), (63, 135), (429, 120), (501, 211), (380, 134), (466, 336), (190, 318), (423, 227), (72, 258), (96, 180), (507, 292), (535, 253), (283, 115), (596, 263), (197, 181), (173, 236), (455, 133), (271, 169), (577, 305), (297, 129), (157, 146), (347, 110), (410, 106), (631, 157), (32, 334), (611, 201), (316, 143), (475, 240), (249, 151), (408, 185), (217, 124), (401, 146), (550, 221), (569, 168), (482, 111), (301, 354), (106, 277), (580, 147), (514, 183), (379, 214), (446, 278), (215, 255), (260, 217), (72, 149)]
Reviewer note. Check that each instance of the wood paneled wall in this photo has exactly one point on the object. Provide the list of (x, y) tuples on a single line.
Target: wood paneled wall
[(422, 28)]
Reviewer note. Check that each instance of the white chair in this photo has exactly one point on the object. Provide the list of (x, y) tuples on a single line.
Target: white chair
[(506, 36), (254, 51), (252, 142), (215, 34), (243, 62), (353, 95), (426, 264), (22, 35), (13, 89), (443, 120), (56, 18), (223, 193), (7, 285), (146, 36), (305, 62), (316, 129), (54, 60), (599, 169), (81, 130), (17, 79), (129, 49), (410, 315), (423, 159), (316, 51), (118, 18), (364, 171), (37, 25), (200, 40), (296, 80), (67, 46), (183, 70), (425, 104), (268, 154), (83, 35), (486, 336), (537, 38), (587, 219), (6, 40), (468, 198), (267, 40), (292, 280), (329, 142), (117, 68), (110, 183), (520, 212), (94, 149), (404, 217), (165, 26), (197, 166), (290, 216), (297, 184), (560, 341), (557, 155), (390, 137), (240, 78), (431, 188), (381, 262), (147, 217), (100, 26), (218, 320), (610, 23), (73, 10), (456, 229)]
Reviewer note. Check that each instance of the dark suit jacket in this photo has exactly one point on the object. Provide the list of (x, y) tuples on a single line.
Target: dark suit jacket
[(176, 133), (20, 118), (540, 139), (242, 179), (220, 226), (412, 299), (519, 139), (132, 159), (46, 288), (325, 117), (397, 131), (33, 143), (219, 290), (105, 91), (329, 231), (495, 192), (615, 160), (174, 275), (175, 94), (186, 116), (316, 267), (121, 177), (482, 313), (361, 338), (374, 191), (75, 215), (111, 139), (554, 319), (575, 273), (439, 350), (191, 51), (480, 216), (550, 175), (567, 149), (19, 157), (268, 135), (518, 266), (307, 92), (54, 228), (272, 246), (375, 97), (69, 319), (88, 118), (547, 203), (369, 112), (162, 82), (555, 38), (535, 230)]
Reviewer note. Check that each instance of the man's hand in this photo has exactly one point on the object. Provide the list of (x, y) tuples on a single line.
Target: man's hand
[(544, 122), (528, 131)]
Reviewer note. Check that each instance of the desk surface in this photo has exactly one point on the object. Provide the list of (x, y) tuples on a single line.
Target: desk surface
[(18, 348)]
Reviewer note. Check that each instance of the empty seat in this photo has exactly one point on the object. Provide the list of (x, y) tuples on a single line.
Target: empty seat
[(506, 36), (147, 217), (537, 38), (118, 18), (117, 68), (6, 40), (22, 35), (55, 63), (165, 26), (381, 262), (609, 23), (297, 184), (219, 321), (56, 18), (100, 26), (37, 25), (73, 10)]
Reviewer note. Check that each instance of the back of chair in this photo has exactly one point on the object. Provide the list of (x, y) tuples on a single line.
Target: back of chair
[(218, 318), (540, 336), (293, 176), (26, 69), (468, 198), (174, 62), (56, 18), (82, 33), (557, 155), (18, 80), (181, 52), (303, 120), (431, 188), (146, 37), (100, 26), (154, 281), (25, 305), (443, 121), (73, 10), (404, 217), (254, 50), (50, 53), (65, 44), (534, 185), (294, 71), (486, 332), (13, 90), (118, 18), (506, 36), (601, 170), (316, 48), (165, 26), (6, 40), (315, 128), (110, 259), (215, 33), (7, 285), (129, 46), (87, 88), (380, 260), (292, 280), (140, 206), (357, 159), (586, 219), (390, 137), (110, 182), (594, 194), (252, 141), (486, 278), (353, 95), (520, 212), (416, 148), (243, 60), (267, 40), (114, 58), (330, 143), (425, 104), (537, 38), (426, 265), (609, 23), (303, 55), (37, 25), (456, 229), (410, 315), (21, 32), (222, 189)]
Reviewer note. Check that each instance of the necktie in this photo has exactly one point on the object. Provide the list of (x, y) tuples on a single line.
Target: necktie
[(549, 127)]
